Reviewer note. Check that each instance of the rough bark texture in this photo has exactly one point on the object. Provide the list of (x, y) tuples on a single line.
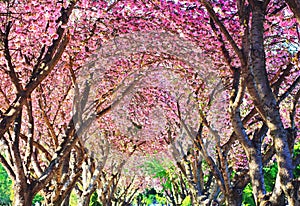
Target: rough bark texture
[(235, 198), (22, 195), (256, 173), (265, 102)]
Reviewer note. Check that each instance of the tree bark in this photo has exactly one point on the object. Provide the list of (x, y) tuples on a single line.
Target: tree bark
[(256, 172), (265, 102), (66, 201), (22, 196), (235, 197)]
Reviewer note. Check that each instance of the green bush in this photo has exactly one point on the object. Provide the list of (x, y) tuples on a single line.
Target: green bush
[(5, 187)]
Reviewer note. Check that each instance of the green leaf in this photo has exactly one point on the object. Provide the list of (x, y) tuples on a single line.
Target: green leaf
[(5, 187), (248, 199), (186, 201)]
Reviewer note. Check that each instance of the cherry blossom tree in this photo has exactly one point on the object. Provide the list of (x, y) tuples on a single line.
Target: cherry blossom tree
[(37, 74), (253, 80), (242, 31), (252, 46), (261, 70)]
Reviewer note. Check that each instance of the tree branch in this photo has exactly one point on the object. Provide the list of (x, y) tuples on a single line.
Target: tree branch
[(213, 15), (11, 69), (29, 142)]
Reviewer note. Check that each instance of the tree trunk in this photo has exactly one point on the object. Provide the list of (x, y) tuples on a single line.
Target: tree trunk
[(285, 165), (66, 201), (22, 196), (256, 172), (277, 197), (265, 102), (235, 197)]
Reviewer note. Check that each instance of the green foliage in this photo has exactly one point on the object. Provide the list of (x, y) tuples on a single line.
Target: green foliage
[(73, 199), (148, 199), (5, 187), (186, 201), (160, 199), (6, 192), (156, 169), (94, 200), (270, 176), (151, 196), (297, 152), (248, 199), (37, 198)]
